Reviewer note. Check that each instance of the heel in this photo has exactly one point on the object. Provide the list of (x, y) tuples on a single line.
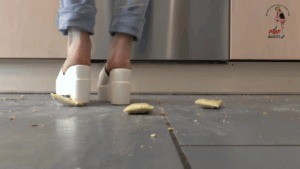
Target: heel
[(119, 86), (119, 93), (103, 93), (81, 90), (76, 83)]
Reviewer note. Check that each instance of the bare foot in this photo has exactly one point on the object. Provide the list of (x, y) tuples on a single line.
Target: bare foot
[(120, 52), (79, 49)]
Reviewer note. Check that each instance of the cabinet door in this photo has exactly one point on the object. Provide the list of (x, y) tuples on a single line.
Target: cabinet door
[(254, 34), (28, 29)]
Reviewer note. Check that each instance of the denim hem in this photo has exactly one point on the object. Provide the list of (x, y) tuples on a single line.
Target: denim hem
[(82, 18), (129, 23)]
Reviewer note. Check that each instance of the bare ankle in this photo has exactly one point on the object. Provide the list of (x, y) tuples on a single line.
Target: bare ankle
[(120, 52), (79, 50), (117, 65)]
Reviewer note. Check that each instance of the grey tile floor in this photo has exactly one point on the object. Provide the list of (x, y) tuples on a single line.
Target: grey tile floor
[(249, 132)]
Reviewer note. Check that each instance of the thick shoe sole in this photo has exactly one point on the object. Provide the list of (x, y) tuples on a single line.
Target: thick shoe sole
[(115, 88), (76, 83)]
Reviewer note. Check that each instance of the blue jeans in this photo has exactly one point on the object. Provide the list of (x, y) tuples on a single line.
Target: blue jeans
[(128, 16)]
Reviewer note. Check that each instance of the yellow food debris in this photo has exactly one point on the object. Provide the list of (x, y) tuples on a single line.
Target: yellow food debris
[(170, 129), (209, 104), (12, 118), (66, 101), (153, 135), (139, 108)]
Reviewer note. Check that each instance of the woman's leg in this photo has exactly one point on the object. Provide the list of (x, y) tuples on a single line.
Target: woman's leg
[(126, 26), (76, 18), (276, 22), (79, 48), (282, 29)]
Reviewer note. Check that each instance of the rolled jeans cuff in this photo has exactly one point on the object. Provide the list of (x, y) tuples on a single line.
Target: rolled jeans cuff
[(82, 17), (129, 23)]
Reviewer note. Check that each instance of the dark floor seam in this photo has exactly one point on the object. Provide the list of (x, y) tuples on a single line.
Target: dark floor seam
[(279, 145), (182, 156)]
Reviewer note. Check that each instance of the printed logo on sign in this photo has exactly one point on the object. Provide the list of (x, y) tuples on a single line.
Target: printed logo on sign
[(278, 13)]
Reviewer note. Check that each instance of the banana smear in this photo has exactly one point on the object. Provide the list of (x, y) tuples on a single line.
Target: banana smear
[(209, 104), (67, 101)]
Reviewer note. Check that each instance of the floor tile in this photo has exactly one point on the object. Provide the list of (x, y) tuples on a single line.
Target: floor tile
[(46, 135), (244, 120), (237, 157)]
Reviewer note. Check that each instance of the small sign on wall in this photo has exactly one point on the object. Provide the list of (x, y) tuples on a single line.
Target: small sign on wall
[(265, 30), (278, 13)]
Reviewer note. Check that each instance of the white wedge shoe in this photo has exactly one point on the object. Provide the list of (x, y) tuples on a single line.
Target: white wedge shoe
[(115, 88), (75, 83)]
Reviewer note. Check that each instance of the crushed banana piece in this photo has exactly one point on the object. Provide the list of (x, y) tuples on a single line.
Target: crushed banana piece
[(66, 101), (171, 129), (153, 135), (139, 108), (209, 104)]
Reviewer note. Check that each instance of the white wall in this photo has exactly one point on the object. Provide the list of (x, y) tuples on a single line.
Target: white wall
[(28, 29)]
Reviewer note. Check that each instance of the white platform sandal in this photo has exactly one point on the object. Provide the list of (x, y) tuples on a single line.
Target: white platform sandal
[(115, 87), (75, 83)]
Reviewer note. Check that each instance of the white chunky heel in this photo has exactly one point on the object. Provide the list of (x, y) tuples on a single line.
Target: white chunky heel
[(115, 88), (103, 86), (75, 83), (119, 86)]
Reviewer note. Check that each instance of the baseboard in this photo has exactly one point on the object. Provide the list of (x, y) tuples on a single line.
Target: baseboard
[(38, 76)]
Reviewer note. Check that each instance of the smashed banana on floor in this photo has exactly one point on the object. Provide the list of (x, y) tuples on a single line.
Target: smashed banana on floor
[(139, 108), (66, 101), (209, 104)]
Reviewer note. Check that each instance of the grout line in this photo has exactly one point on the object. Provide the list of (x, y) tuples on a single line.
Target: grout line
[(169, 93), (278, 145), (182, 156)]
